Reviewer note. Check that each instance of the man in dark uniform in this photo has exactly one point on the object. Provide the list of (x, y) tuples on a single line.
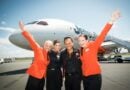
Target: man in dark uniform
[(71, 65)]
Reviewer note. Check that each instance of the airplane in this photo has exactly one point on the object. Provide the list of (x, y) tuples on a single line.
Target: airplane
[(56, 29)]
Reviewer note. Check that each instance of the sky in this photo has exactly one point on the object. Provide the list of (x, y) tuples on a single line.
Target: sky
[(88, 14)]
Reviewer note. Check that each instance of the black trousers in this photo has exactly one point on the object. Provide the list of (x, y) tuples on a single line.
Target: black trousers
[(54, 79), (92, 82), (35, 84), (72, 82)]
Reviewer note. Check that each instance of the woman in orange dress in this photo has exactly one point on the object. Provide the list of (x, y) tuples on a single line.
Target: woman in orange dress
[(37, 70), (90, 66)]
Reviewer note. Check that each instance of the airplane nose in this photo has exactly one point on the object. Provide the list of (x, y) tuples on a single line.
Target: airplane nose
[(18, 40)]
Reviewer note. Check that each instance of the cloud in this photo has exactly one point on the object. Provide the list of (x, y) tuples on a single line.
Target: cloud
[(9, 50), (7, 29), (3, 22), (13, 51), (4, 42), (4, 33)]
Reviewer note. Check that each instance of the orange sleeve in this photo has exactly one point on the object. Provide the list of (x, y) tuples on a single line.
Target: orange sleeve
[(31, 40), (102, 35)]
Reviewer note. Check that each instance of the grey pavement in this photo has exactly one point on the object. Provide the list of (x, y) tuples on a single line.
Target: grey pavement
[(115, 76)]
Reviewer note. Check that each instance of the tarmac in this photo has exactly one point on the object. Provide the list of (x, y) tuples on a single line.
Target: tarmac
[(115, 76)]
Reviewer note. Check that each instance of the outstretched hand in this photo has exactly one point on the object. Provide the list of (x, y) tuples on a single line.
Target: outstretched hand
[(115, 16), (21, 26)]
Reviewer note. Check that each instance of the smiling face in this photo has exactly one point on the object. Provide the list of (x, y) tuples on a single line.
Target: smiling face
[(82, 41), (48, 45), (57, 47), (68, 43)]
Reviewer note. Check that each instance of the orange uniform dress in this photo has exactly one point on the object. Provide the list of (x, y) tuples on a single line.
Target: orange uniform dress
[(90, 64), (39, 66)]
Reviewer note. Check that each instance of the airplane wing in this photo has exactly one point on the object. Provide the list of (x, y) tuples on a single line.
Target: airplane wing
[(118, 41), (109, 47)]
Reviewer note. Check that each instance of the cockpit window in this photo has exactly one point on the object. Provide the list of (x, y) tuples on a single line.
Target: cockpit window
[(32, 22), (42, 23)]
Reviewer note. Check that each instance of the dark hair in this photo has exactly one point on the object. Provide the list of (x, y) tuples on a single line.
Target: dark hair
[(83, 35), (81, 51), (68, 38), (55, 42)]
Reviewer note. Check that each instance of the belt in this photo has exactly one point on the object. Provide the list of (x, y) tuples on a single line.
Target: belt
[(92, 76), (53, 69), (70, 74)]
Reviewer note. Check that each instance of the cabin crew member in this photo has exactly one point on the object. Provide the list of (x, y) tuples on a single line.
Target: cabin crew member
[(90, 67), (71, 65), (54, 73), (37, 70)]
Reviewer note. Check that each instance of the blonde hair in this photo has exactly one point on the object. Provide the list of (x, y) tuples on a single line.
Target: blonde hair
[(48, 42), (48, 45)]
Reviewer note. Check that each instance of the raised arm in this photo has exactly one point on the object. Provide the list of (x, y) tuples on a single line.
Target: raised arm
[(115, 16), (28, 36)]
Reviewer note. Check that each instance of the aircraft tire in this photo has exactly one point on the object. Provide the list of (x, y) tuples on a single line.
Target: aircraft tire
[(119, 60)]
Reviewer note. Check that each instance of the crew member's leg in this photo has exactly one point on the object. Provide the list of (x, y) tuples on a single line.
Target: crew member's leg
[(76, 82), (34, 83), (68, 82), (92, 82)]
